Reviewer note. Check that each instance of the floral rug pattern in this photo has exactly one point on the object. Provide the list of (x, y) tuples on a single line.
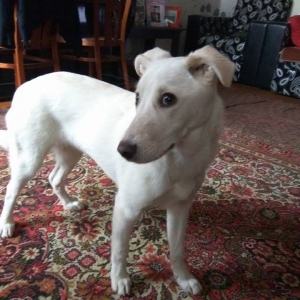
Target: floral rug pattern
[(262, 122), (243, 237), (242, 241)]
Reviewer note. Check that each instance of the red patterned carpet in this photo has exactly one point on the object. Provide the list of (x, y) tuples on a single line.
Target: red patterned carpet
[(263, 122), (243, 238)]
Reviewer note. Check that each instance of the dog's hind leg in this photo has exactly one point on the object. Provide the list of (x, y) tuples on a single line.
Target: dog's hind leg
[(24, 164), (66, 159)]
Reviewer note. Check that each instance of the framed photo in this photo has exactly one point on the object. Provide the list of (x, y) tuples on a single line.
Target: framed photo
[(172, 16), (140, 15), (155, 13)]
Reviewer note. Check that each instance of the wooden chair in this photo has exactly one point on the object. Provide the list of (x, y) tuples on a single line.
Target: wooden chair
[(41, 39), (114, 35)]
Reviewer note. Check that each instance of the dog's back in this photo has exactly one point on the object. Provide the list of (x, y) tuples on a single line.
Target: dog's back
[(157, 152), (57, 106), (64, 97)]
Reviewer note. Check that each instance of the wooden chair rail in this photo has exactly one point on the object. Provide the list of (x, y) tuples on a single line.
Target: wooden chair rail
[(41, 38), (114, 33)]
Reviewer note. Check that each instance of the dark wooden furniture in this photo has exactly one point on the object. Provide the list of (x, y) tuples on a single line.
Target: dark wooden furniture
[(22, 58), (109, 34), (150, 34)]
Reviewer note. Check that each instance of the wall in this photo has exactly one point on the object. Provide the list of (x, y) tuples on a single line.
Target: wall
[(194, 7), (295, 8), (188, 7)]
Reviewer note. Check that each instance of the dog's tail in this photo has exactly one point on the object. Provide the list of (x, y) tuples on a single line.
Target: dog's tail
[(4, 139)]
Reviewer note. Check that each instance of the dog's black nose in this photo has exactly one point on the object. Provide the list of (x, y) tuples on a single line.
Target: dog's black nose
[(127, 149)]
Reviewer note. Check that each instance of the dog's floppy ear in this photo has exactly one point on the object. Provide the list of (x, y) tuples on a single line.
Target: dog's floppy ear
[(207, 61), (142, 61)]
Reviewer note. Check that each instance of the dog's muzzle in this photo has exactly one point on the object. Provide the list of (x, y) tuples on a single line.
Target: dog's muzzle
[(127, 149)]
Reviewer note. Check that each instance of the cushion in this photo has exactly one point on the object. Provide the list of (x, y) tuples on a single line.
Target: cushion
[(295, 29)]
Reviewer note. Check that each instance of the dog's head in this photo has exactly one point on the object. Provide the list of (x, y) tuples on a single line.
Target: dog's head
[(174, 96)]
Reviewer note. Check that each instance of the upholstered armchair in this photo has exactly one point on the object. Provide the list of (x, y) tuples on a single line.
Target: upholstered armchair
[(229, 35), (286, 79)]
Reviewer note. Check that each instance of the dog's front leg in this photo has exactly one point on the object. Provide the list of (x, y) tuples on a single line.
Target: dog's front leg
[(177, 216), (123, 221)]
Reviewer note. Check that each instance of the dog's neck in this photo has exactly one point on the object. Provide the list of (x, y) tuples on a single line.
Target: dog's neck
[(197, 140), (190, 145)]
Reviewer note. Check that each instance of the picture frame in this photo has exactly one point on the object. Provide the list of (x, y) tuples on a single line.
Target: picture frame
[(173, 16), (155, 13), (140, 13)]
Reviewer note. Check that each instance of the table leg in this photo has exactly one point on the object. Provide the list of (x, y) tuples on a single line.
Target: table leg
[(175, 45), (149, 44)]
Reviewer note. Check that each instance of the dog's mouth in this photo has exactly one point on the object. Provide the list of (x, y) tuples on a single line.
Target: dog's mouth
[(171, 147), (129, 151), (164, 153)]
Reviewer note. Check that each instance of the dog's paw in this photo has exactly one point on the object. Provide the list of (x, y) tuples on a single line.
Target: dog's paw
[(7, 230), (121, 285), (74, 205), (190, 285)]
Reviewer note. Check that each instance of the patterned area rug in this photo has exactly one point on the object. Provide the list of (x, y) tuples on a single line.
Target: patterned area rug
[(242, 242), (262, 121)]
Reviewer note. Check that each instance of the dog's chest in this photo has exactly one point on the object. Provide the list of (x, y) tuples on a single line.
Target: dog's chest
[(178, 191), (183, 189), (179, 186)]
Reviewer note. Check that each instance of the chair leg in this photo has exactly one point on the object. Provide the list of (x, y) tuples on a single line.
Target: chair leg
[(55, 55), (125, 67), (18, 52), (97, 53), (19, 67), (91, 64)]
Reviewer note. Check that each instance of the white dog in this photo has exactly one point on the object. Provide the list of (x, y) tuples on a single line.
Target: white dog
[(155, 144)]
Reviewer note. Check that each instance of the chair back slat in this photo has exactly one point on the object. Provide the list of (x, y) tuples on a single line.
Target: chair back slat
[(106, 21), (124, 23), (23, 58), (96, 22), (113, 19), (41, 36)]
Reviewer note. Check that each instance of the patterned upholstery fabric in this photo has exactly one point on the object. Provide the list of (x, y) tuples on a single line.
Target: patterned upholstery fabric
[(230, 35), (261, 10), (286, 80)]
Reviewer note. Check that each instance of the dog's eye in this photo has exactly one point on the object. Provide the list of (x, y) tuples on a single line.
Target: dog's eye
[(167, 99), (137, 98)]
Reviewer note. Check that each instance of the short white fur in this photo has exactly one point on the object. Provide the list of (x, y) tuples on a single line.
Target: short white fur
[(70, 114)]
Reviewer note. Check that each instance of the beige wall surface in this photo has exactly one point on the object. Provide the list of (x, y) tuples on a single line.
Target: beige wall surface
[(190, 7), (195, 7), (296, 8)]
